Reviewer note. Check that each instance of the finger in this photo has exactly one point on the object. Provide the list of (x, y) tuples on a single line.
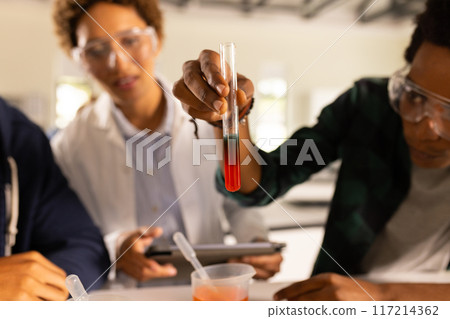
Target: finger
[(38, 288), (41, 273), (241, 99), (299, 288), (148, 231), (244, 93), (137, 245), (263, 273), (154, 232), (206, 116), (210, 67), (167, 270), (245, 85), (141, 238), (140, 261), (164, 271), (194, 81), (149, 268), (182, 92), (288, 292), (235, 260), (40, 259), (272, 268), (268, 262), (49, 292), (146, 273), (316, 295), (145, 242)]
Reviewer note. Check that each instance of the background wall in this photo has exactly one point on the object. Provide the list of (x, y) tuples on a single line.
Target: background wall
[(31, 64), (289, 43), (27, 57)]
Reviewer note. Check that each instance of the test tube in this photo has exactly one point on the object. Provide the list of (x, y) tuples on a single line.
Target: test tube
[(230, 120)]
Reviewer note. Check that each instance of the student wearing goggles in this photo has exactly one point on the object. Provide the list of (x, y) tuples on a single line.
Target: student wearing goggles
[(415, 103), (135, 44), (92, 149), (390, 210)]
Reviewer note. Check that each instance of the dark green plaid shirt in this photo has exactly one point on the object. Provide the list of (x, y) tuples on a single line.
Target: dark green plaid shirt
[(362, 130)]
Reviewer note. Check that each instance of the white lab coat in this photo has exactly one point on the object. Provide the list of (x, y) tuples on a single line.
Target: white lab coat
[(91, 154)]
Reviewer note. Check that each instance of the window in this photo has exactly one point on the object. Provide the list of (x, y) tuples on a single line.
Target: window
[(71, 94), (268, 122)]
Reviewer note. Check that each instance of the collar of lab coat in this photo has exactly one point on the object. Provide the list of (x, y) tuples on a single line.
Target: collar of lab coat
[(128, 129)]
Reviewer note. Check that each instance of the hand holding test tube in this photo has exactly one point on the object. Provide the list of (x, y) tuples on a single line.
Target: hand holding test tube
[(230, 119), (203, 92)]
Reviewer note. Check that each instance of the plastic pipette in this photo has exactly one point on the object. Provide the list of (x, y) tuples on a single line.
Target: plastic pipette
[(189, 253), (76, 289), (230, 120)]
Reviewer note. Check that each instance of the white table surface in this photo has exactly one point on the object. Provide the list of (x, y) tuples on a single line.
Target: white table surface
[(259, 290)]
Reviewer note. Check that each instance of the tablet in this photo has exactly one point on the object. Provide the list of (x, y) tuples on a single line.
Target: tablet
[(209, 254)]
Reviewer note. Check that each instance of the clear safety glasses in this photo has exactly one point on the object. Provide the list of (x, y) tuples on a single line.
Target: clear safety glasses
[(101, 53), (413, 103)]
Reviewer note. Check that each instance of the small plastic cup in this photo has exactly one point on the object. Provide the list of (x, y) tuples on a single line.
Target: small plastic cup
[(228, 282)]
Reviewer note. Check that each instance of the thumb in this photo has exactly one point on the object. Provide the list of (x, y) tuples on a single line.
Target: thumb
[(142, 237), (152, 232), (145, 241), (147, 236)]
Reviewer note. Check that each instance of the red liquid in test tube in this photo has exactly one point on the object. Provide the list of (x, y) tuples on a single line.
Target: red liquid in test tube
[(232, 168), (230, 120)]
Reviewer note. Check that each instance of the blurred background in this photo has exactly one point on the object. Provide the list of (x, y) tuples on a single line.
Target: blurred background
[(300, 55)]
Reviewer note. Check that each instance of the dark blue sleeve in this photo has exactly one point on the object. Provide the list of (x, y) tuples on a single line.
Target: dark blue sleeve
[(52, 220), (76, 244)]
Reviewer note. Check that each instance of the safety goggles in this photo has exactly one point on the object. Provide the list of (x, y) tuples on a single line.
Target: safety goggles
[(101, 53), (413, 103)]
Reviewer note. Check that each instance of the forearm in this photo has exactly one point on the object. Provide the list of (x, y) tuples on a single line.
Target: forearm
[(250, 172), (413, 291)]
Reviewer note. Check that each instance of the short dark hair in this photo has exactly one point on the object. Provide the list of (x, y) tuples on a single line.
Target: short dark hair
[(67, 14), (433, 25)]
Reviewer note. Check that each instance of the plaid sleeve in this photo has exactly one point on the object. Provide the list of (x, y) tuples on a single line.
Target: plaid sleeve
[(306, 152)]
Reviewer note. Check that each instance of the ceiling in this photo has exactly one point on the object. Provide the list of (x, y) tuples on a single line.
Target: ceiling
[(311, 9)]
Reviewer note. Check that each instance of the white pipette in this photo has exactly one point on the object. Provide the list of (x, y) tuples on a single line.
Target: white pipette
[(189, 253), (76, 289)]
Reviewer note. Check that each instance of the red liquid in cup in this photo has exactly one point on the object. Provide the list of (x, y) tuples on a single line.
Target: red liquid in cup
[(232, 165), (228, 293)]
